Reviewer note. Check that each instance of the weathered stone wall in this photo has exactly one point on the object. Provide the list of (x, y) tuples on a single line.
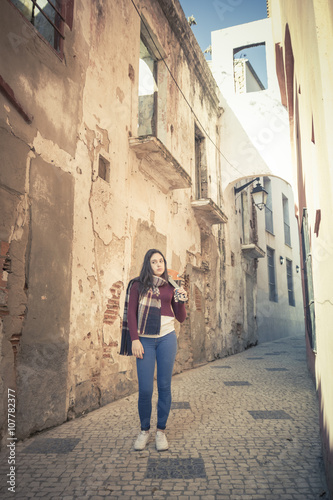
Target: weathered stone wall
[(71, 239)]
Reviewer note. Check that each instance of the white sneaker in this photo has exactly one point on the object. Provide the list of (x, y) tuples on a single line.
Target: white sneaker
[(161, 441), (141, 441)]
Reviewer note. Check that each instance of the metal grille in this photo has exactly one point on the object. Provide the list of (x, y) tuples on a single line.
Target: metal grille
[(236, 383), (221, 367), (48, 446), (46, 17), (277, 353), (270, 415), (180, 405), (175, 468)]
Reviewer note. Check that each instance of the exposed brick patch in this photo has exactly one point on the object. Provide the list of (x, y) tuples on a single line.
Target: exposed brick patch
[(111, 312), (4, 269), (197, 298), (107, 348), (15, 341), (4, 248)]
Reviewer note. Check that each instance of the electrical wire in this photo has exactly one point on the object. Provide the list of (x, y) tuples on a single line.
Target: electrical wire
[(182, 93)]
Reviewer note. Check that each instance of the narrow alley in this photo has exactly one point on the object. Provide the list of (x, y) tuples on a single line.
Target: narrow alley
[(241, 428)]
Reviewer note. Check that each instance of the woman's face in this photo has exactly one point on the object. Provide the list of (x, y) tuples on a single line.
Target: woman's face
[(157, 264)]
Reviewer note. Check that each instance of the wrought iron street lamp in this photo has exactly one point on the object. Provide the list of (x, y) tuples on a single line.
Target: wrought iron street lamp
[(259, 193)]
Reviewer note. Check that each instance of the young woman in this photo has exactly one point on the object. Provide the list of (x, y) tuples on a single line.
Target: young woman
[(151, 306)]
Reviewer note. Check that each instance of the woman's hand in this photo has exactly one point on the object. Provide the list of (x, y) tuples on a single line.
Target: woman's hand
[(183, 294), (137, 349)]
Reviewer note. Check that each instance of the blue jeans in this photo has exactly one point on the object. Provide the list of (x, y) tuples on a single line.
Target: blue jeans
[(163, 351)]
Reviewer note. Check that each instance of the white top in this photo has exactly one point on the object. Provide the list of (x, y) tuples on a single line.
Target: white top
[(167, 326)]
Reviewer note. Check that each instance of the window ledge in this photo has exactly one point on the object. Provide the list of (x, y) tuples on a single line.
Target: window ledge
[(206, 208), (158, 163), (252, 251)]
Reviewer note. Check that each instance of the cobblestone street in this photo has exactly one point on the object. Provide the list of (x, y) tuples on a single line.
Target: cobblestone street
[(243, 427)]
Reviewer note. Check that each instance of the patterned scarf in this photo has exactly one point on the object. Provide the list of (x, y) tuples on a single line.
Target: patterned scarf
[(149, 314)]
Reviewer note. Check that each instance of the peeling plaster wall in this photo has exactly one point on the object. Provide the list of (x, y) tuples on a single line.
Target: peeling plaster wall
[(42, 358), (37, 178), (238, 322), (74, 239)]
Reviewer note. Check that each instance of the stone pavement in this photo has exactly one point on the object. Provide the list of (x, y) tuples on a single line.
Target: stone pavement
[(243, 427)]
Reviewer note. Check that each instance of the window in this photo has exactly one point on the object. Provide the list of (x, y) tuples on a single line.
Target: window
[(310, 316), (271, 275), (285, 204), (200, 165), (48, 18), (317, 222), (290, 283), (245, 218), (153, 86), (268, 207), (103, 168), (147, 91), (250, 72)]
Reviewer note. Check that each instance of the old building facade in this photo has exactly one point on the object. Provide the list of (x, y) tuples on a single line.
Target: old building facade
[(111, 128), (303, 35)]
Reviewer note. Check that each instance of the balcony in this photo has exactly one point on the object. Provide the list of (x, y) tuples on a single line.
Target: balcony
[(207, 210), (252, 251), (158, 164)]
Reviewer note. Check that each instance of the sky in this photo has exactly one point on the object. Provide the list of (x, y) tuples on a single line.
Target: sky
[(211, 15)]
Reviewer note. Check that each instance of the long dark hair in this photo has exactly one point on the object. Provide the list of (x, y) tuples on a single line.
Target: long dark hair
[(146, 273)]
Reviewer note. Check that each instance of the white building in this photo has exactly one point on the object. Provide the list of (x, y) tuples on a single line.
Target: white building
[(279, 299), (260, 145), (260, 113)]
